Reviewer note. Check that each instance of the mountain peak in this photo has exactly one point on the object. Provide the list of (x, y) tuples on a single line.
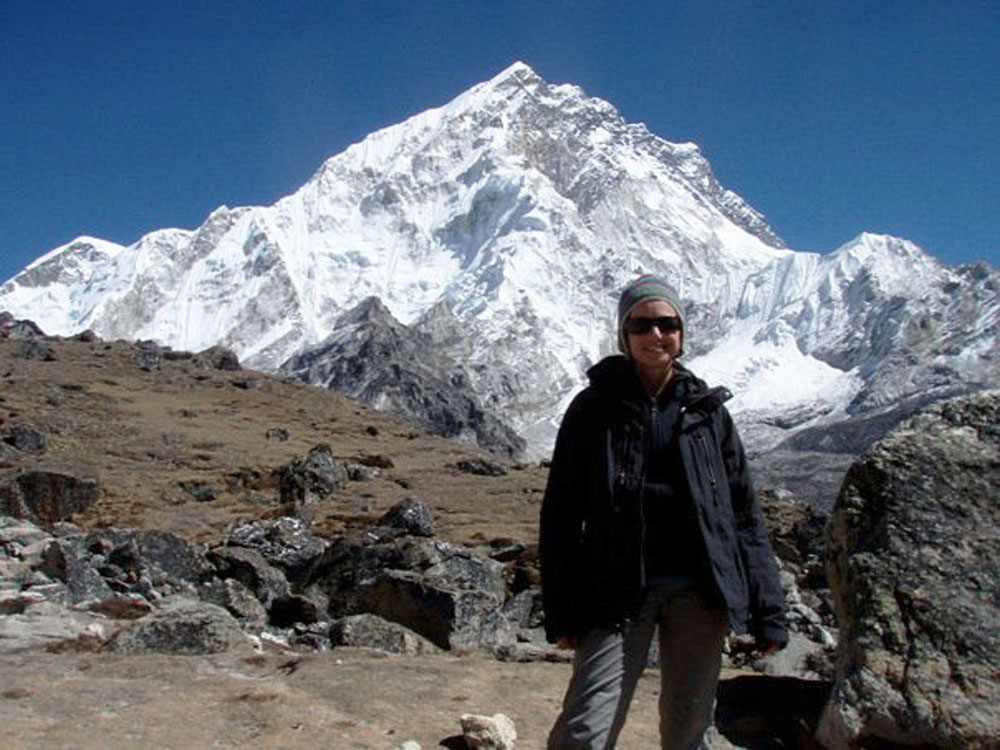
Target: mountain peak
[(517, 69)]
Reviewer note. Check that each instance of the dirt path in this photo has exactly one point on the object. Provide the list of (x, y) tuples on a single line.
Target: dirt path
[(347, 698)]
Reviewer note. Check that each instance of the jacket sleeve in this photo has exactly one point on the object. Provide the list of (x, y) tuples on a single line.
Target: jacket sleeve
[(561, 527), (767, 600)]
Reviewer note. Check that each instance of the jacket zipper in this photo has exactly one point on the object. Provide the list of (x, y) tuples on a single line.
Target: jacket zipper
[(647, 436), (708, 462)]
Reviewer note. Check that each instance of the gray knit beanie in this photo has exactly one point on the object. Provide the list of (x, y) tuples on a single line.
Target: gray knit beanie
[(643, 289)]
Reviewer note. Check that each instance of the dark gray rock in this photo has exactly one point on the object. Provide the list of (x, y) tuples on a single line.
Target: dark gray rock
[(87, 337), (36, 349), (284, 542), (914, 566), (481, 467), (203, 492), (182, 626), (372, 631), (249, 567), (444, 593), (372, 356), (218, 358), (147, 355), (65, 560), (448, 616), (295, 609), (757, 711), (361, 473), (18, 330), (409, 516), (310, 479), (236, 599), (279, 434), (46, 497), (171, 563), (27, 438)]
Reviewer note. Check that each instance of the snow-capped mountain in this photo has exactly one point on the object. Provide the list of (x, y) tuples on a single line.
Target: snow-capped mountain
[(524, 207)]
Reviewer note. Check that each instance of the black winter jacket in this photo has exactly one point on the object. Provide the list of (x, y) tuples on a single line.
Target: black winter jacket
[(592, 530)]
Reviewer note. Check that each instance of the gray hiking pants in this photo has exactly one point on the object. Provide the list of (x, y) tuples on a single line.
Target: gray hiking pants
[(608, 664)]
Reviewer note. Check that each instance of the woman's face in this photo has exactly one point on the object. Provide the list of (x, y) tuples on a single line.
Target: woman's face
[(655, 349)]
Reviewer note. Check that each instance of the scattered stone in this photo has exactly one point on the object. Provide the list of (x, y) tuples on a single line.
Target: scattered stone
[(237, 599), (495, 732), (284, 542), (278, 434), (481, 467), (914, 565), (35, 349), (246, 383), (523, 652), (200, 491), (218, 358), (313, 478), (172, 564), (372, 631), (249, 567), (88, 337), (371, 430), (360, 473), (377, 461), (27, 438), (147, 355), (409, 516)]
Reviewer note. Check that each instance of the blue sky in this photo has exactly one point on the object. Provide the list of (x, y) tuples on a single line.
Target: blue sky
[(117, 118)]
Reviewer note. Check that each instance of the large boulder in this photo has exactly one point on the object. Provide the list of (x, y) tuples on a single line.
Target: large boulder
[(372, 631), (46, 497), (311, 479), (284, 542), (182, 626), (913, 560), (440, 591)]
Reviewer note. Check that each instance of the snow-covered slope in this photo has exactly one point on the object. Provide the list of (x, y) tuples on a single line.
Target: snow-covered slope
[(525, 206)]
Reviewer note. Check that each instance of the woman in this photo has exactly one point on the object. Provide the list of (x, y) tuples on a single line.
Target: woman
[(649, 519)]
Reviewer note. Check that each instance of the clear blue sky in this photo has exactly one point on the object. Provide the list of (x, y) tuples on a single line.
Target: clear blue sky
[(831, 118)]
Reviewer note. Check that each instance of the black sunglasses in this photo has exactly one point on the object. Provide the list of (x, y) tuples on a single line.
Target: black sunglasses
[(666, 324)]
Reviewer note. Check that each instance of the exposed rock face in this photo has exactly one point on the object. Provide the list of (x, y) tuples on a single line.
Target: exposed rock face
[(374, 357), (914, 565), (310, 479), (46, 496), (182, 627), (372, 631), (409, 516), (444, 593)]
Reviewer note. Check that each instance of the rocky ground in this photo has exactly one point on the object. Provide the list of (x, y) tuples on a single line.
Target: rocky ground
[(193, 445)]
